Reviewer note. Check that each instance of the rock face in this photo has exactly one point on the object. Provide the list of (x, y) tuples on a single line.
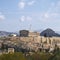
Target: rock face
[(49, 33)]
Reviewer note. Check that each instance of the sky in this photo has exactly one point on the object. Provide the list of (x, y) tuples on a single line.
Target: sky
[(17, 15)]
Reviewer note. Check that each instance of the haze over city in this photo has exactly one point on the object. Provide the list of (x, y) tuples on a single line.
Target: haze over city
[(16, 15)]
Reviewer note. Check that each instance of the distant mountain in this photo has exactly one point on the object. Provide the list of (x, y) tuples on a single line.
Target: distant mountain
[(49, 33), (4, 33)]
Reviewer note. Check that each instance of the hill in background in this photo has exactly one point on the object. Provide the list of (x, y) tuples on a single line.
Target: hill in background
[(49, 33)]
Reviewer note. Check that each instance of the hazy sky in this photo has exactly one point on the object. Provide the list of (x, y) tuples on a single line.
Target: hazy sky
[(16, 15)]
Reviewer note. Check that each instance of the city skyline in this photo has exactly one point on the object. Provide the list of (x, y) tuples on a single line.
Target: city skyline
[(20, 14)]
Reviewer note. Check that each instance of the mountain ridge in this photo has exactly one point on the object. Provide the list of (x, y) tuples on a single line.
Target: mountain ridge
[(5, 33)]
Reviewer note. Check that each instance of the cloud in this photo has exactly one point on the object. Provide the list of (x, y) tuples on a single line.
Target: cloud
[(46, 15), (22, 18), (52, 14), (25, 18), (49, 15), (2, 17), (55, 7), (31, 3), (28, 18), (21, 4)]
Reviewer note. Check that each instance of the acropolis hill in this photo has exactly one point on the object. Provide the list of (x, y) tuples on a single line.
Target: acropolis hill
[(31, 41)]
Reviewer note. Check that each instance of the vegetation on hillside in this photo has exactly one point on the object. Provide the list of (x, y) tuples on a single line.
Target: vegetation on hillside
[(35, 56), (15, 56)]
